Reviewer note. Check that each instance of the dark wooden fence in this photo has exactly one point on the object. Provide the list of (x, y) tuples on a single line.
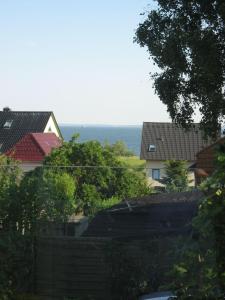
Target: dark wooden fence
[(101, 268), (68, 268)]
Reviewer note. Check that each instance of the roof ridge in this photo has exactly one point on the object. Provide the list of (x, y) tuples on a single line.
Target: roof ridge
[(27, 111), (172, 123)]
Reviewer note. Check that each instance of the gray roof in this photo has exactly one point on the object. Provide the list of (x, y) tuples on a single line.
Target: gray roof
[(152, 215), (23, 122), (171, 141)]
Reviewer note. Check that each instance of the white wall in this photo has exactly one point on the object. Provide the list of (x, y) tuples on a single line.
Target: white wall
[(51, 125), (160, 165), (28, 166)]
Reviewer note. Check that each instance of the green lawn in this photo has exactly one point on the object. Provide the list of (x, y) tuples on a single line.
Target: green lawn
[(133, 161)]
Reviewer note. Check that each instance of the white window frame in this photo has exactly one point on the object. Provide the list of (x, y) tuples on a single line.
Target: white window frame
[(8, 124), (151, 148)]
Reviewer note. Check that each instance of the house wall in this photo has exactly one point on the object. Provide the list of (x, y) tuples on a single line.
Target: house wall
[(51, 125), (29, 166), (150, 165)]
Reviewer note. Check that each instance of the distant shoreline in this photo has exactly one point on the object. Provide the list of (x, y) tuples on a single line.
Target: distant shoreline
[(98, 125)]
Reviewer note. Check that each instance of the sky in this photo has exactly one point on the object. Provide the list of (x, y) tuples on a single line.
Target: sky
[(77, 59)]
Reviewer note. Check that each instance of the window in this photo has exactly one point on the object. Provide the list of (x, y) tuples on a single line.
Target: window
[(8, 124), (151, 148), (155, 174)]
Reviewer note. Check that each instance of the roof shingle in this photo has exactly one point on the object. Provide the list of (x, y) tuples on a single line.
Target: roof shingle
[(34, 147), (171, 141), (23, 122)]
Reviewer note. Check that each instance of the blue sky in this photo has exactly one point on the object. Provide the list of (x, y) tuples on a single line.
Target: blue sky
[(78, 59)]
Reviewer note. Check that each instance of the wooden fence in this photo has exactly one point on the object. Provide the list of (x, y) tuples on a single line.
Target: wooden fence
[(69, 268), (101, 268)]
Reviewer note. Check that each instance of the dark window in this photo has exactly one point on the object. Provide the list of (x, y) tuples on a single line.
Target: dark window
[(155, 174)]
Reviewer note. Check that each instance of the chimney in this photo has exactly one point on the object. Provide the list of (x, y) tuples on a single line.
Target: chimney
[(6, 109)]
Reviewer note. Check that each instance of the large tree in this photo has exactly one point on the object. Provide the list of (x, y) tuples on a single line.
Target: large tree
[(186, 40), (98, 173)]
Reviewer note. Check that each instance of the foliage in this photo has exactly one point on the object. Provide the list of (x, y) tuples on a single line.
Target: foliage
[(200, 268), (98, 173), (16, 261), (119, 148), (186, 40), (176, 179), (46, 195), (9, 180)]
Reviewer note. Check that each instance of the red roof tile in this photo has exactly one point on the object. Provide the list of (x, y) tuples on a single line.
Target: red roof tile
[(34, 146)]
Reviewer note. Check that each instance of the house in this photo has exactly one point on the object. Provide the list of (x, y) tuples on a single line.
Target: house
[(14, 125), (206, 159), (33, 148), (168, 141), (156, 215)]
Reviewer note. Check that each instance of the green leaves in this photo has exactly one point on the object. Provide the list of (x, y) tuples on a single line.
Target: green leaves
[(10, 175), (200, 267), (98, 172), (176, 178), (186, 39), (46, 194)]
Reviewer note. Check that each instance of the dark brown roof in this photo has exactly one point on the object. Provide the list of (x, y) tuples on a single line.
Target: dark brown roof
[(220, 141), (171, 141), (23, 122), (154, 215)]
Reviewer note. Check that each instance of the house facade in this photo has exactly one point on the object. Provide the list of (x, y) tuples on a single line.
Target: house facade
[(14, 125), (168, 141)]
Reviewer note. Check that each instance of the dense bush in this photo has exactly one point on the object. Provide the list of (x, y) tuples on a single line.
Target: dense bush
[(200, 267), (98, 173)]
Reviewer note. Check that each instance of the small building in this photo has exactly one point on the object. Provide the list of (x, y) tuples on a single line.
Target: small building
[(149, 216), (14, 125), (168, 141), (206, 160), (32, 149)]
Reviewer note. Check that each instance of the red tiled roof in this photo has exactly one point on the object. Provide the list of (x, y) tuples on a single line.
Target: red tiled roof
[(34, 146)]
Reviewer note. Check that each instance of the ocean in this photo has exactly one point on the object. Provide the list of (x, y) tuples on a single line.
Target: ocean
[(130, 135)]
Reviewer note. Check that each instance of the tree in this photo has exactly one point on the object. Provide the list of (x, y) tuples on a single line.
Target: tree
[(200, 266), (186, 39), (176, 178), (119, 148), (46, 194), (10, 175), (98, 173)]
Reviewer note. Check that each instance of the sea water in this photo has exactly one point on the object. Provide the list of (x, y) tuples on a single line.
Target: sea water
[(130, 135)]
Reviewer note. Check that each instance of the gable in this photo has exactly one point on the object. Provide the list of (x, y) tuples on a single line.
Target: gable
[(171, 142), (53, 127)]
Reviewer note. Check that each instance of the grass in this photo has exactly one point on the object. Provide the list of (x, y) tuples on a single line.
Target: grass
[(133, 162)]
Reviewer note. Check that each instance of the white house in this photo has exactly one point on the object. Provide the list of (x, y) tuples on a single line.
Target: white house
[(168, 141)]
